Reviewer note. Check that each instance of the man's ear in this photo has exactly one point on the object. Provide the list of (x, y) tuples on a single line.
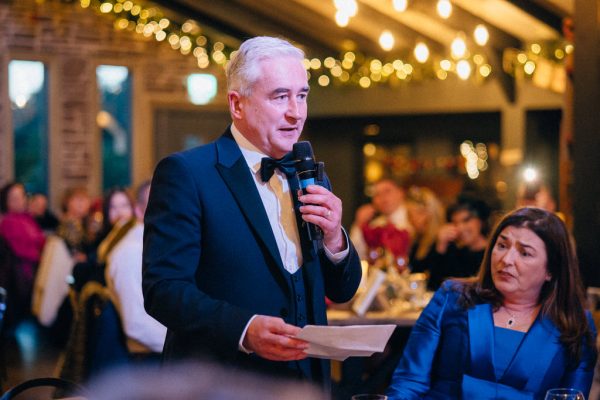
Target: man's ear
[(235, 104)]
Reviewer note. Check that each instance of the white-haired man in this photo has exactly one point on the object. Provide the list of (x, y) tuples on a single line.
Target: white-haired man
[(224, 268)]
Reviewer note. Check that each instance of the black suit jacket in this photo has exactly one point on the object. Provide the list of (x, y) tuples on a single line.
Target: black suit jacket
[(211, 261)]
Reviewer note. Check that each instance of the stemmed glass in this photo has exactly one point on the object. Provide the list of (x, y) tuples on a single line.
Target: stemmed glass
[(564, 394)]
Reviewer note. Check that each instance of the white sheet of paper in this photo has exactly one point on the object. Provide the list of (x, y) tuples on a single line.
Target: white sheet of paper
[(341, 342)]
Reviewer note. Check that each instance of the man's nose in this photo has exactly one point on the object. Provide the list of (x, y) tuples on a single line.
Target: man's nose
[(293, 110)]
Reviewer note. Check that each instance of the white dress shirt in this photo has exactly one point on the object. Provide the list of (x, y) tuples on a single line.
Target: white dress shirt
[(279, 205)]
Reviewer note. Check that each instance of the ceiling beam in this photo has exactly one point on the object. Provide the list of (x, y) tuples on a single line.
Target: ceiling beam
[(505, 15), (462, 20), (361, 34), (561, 8), (198, 11), (418, 25), (243, 22), (295, 17), (541, 13)]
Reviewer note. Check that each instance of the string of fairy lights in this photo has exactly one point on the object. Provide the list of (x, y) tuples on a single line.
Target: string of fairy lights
[(351, 67)]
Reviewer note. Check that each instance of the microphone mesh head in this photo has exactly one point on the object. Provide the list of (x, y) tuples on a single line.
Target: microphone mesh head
[(303, 154), (302, 150)]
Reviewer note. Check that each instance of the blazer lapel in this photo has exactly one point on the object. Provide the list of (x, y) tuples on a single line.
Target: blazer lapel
[(534, 356), (233, 169), (481, 342)]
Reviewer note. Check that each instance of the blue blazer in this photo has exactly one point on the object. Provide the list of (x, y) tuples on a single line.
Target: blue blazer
[(450, 355), (211, 261)]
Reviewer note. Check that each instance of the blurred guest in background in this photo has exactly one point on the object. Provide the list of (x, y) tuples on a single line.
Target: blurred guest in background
[(387, 208), (426, 216), (535, 194), (117, 219), (145, 335), (25, 240), (72, 229), (516, 330), (461, 242), (38, 208)]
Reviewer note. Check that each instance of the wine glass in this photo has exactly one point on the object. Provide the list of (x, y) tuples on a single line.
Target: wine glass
[(564, 394)]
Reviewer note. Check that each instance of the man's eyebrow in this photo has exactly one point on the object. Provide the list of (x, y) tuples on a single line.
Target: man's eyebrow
[(282, 90)]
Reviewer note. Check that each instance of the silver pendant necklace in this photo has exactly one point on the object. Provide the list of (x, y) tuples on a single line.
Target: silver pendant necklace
[(512, 320)]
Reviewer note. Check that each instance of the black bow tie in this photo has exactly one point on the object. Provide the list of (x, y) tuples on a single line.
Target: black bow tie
[(287, 165)]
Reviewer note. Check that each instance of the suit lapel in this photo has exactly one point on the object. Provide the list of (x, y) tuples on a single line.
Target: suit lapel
[(233, 169)]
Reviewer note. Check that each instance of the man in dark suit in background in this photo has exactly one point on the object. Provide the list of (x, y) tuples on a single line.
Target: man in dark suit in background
[(224, 268)]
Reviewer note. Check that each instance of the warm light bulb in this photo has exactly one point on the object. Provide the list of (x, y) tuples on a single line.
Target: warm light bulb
[(458, 47), (323, 80), (342, 19), (444, 8), (421, 52), (485, 70), (445, 65), (529, 67), (386, 40), (106, 8), (348, 7), (400, 5), (463, 69), (530, 174), (569, 48), (481, 35)]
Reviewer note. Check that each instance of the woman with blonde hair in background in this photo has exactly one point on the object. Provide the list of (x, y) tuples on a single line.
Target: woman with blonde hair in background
[(426, 215)]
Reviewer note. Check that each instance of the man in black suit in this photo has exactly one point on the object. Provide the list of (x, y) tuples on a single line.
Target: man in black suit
[(224, 268)]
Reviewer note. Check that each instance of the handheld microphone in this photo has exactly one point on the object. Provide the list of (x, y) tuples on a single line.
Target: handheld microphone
[(308, 172)]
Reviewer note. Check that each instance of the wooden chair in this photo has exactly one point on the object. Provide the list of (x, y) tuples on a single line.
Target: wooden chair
[(96, 340)]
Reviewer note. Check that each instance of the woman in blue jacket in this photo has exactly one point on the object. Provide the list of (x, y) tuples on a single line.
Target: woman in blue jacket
[(516, 330)]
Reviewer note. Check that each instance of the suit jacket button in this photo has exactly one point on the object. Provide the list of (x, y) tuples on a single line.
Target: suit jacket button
[(283, 312)]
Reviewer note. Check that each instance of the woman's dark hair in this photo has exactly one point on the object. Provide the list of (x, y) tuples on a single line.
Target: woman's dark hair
[(4, 195), (561, 298), (106, 225), (475, 207)]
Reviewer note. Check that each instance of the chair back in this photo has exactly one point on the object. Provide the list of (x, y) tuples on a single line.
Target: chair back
[(50, 287), (57, 383), (97, 340)]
